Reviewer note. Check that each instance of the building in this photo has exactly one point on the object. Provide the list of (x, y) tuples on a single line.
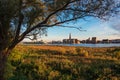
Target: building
[(88, 40), (70, 40), (56, 42), (115, 41), (105, 41), (94, 40)]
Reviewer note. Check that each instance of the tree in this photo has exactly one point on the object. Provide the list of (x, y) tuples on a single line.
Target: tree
[(28, 18)]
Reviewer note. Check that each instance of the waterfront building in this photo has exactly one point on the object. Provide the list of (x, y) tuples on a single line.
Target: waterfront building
[(115, 41), (105, 41), (71, 40), (56, 42), (88, 40), (83, 41), (94, 40)]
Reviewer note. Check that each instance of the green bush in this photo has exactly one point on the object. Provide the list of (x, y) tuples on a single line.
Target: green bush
[(25, 71)]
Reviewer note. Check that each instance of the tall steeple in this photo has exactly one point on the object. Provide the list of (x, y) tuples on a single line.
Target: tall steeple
[(70, 36)]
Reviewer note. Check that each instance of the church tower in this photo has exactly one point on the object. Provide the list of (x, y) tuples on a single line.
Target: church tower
[(70, 36)]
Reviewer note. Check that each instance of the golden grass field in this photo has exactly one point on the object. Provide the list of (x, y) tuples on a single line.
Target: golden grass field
[(63, 63)]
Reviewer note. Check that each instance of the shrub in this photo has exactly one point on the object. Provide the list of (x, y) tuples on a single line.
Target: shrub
[(25, 71), (82, 52), (66, 77), (54, 75), (117, 54)]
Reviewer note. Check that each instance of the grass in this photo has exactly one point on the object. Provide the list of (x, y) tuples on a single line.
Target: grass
[(63, 63)]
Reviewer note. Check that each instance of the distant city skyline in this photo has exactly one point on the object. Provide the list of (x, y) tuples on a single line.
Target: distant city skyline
[(94, 28)]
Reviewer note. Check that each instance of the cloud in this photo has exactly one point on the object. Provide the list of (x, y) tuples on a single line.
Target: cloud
[(115, 23), (116, 34)]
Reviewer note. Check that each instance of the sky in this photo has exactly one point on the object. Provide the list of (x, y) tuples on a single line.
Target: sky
[(94, 28)]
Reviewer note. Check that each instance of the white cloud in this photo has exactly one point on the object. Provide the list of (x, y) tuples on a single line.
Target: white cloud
[(115, 23)]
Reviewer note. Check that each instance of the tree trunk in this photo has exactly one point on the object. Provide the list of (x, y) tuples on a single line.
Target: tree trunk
[(3, 60)]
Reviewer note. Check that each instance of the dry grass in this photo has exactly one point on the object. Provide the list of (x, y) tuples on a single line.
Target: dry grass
[(64, 63)]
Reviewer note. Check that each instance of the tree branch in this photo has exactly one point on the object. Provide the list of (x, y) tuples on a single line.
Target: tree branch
[(21, 17), (43, 22), (78, 28), (67, 20), (47, 18), (44, 25), (19, 26), (1, 31)]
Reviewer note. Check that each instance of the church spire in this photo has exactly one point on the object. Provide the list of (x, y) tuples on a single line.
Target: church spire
[(70, 36)]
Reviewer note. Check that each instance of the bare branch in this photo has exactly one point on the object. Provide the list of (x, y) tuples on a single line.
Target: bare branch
[(34, 38), (61, 22), (78, 28)]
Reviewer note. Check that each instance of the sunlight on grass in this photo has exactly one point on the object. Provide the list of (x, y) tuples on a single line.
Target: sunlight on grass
[(63, 63)]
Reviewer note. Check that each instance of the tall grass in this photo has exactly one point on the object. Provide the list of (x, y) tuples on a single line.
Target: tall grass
[(63, 63)]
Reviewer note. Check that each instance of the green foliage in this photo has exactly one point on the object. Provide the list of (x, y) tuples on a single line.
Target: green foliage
[(25, 71), (8, 71)]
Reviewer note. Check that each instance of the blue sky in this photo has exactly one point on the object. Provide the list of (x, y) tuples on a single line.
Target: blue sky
[(94, 28)]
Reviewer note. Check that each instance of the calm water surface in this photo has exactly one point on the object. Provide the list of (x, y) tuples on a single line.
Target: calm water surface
[(90, 45)]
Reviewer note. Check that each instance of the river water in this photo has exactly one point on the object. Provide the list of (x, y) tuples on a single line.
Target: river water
[(89, 45)]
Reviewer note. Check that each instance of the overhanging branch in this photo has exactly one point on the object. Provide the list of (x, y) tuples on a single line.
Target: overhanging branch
[(43, 22), (62, 8), (78, 28)]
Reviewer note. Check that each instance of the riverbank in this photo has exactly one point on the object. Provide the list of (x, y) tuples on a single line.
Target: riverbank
[(63, 63)]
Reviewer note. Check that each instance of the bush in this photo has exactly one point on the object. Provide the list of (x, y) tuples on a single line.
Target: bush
[(82, 52), (117, 54), (25, 71), (54, 75)]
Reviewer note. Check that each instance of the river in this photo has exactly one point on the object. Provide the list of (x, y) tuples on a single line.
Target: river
[(89, 45)]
